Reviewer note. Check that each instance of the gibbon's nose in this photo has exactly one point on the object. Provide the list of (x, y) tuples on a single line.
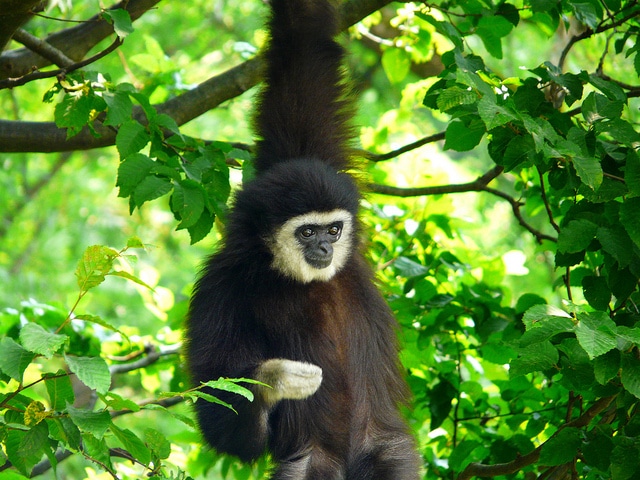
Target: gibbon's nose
[(326, 248)]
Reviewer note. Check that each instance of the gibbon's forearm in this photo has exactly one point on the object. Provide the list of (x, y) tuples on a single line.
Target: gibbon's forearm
[(303, 111)]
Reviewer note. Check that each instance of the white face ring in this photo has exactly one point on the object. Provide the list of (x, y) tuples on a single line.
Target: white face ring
[(288, 255)]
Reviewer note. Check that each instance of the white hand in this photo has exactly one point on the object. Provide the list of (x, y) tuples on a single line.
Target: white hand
[(289, 379)]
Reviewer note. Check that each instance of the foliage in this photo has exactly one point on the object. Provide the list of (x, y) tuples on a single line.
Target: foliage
[(517, 292)]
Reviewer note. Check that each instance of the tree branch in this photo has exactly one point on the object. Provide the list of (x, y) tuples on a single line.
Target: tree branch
[(73, 42), (478, 185), (16, 82), (407, 148), (13, 14), (482, 470), (17, 136)]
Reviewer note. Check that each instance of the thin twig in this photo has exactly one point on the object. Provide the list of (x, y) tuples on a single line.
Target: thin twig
[(407, 148), (16, 82), (545, 200)]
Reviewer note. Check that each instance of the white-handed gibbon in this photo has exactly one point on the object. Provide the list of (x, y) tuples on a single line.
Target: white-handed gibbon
[(289, 299)]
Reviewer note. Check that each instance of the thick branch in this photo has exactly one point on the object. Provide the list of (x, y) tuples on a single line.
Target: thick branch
[(46, 137), (13, 14), (41, 47)]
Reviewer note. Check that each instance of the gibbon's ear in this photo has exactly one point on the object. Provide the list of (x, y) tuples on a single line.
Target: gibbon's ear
[(288, 379)]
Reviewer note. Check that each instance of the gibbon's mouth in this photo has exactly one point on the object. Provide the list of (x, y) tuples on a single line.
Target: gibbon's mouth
[(319, 263)]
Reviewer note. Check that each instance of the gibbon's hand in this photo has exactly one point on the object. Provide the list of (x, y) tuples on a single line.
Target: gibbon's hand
[(289, 379)]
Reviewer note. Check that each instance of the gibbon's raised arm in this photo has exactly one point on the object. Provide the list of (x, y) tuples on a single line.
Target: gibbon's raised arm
[(303, 110)]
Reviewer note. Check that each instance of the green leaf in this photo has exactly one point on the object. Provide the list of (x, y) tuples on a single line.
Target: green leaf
[(38, 340), (492, 114), (196, 394), (135, 242), (92, 371), (119, 108), (616, 242), (409, 268), (25, 449), (491, 30), (454, 97), (630, 218), (14, 359), (188, 201), (596, 291), (630, 374), (131, 138), (60, 390), (498, 354), (546, 328), (632, 173), (201, 228), (537, 357), (131, 172), (188, 421), (466, 452), (165, 122), (561, 448), (64, 430), (607, 366), (99, 321), (625, 458), (132, 444), (95, 423), (128, 276), (74, 112), (232, 386), (576, 236), (585, 13), (517, 153), (396, 63), (158, 443), (440, 402), (122, 24), (97, 449), (631, 335), (597, 107), (462, 138), (596, 333), (151, 188), (541, 311), (116, 402), (95, 263), (589, 170)]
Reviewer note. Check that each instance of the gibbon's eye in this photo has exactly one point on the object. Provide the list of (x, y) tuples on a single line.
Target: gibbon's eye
[(334, 230), (307, 232)]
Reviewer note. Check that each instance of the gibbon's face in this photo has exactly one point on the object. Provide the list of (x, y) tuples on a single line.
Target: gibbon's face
[(313, 246)]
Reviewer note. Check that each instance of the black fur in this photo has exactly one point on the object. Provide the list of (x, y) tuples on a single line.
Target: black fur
[(243, 312)]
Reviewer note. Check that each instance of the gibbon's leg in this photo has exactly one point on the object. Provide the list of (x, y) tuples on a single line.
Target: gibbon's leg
[(287, 379), (314, 464), (394, 458)]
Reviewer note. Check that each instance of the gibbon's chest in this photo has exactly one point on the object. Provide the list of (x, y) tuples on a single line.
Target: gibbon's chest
[(314, 322)]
